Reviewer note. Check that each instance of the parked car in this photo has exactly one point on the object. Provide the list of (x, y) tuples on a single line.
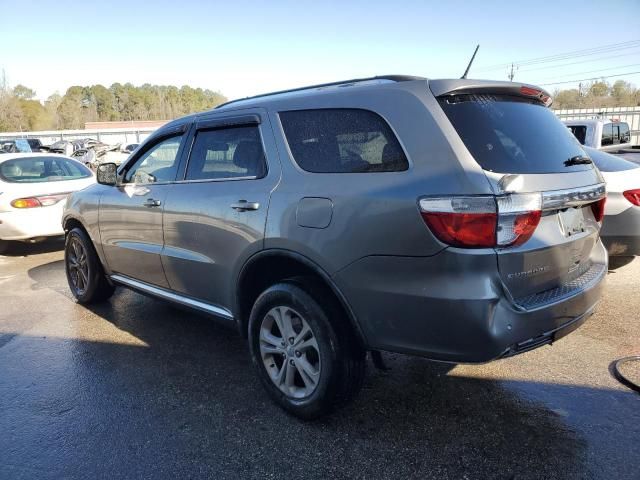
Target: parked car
[(36, 145), (452, 219), (33, 189), (621, 226), (129, 147), (18, 145), (601, 134)]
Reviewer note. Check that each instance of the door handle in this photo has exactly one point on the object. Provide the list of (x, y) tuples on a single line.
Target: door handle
[(151, 202), (243, 206)]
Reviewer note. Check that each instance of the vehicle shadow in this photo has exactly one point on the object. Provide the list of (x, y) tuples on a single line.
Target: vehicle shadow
[(186, 402), (22, 249)]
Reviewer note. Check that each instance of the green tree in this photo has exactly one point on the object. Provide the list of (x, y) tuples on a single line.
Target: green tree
[(70, 108), (599, 89), (23, 93), (566, 98), (19, 110), (51, 105)]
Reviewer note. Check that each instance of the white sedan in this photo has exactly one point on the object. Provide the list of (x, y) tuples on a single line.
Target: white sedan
[(33, 190), (621, 226)]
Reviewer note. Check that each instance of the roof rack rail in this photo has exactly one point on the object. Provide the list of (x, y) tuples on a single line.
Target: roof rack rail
[(395, 78)]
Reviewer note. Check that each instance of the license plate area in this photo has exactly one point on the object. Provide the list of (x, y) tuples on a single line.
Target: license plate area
[(571, 221)]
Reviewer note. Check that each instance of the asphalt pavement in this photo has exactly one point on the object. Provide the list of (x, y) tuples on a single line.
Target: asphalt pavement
[(136, 388)]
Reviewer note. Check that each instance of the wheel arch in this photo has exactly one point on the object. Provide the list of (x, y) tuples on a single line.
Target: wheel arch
[(268, 267), (70, 222)]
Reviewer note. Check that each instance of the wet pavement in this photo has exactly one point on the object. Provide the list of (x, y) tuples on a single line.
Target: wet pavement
[(136, 388)]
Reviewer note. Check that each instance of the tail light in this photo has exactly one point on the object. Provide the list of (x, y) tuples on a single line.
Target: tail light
[(633, 196), (598, 209), (26, 203), (483, 221), (40, 201)]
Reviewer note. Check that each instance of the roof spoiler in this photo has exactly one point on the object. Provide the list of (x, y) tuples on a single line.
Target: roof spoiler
[(441, 88)]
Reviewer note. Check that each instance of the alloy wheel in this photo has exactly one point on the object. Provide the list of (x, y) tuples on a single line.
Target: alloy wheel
[(78, 266), (290, 352)]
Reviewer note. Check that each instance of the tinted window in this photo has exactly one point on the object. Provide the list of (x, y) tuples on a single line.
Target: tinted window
[(158, 164), (227, 153), (616, 134), (34, 143), (609, 163), (625, 134), (342, 141), (579, 131), (508, 134), (42, 169), (607, 134)]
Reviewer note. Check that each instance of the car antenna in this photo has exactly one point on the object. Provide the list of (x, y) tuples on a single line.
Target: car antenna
[(470, 62)]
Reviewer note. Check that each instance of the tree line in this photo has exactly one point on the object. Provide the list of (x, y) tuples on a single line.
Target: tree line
[(21, 111), (598, 94)]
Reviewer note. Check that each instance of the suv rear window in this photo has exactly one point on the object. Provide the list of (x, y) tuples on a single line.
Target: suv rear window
[(42, 169), (509, 134), (342, 141)]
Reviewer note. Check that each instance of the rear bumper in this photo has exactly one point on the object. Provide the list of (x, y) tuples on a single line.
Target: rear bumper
[(453, 307), (31, 223), (546, 338)]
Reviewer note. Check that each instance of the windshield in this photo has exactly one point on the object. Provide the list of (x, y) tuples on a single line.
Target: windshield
[(42, 169), (509, 134)]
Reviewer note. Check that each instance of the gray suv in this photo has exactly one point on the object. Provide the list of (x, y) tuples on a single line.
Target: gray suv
[(452, 219)]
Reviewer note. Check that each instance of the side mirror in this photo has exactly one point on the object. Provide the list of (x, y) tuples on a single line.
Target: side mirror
[(107, 174)]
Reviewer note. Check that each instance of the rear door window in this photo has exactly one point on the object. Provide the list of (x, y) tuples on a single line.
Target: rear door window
[(510, 134), (226, 153), (42, 169), (342, 141)]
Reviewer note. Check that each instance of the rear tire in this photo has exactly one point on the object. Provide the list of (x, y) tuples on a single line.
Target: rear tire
[(316, 364), (85, 275)]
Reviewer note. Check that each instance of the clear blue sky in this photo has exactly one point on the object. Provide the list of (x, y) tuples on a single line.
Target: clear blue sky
[(242, 48)]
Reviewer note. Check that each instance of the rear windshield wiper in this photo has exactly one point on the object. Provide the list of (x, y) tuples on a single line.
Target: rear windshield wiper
[(578, 160)]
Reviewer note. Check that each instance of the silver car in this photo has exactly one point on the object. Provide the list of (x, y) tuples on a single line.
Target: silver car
[(452, 219), (621, 226)]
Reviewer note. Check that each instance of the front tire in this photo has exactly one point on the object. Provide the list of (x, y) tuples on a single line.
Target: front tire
[(304, 351), (86, 278)]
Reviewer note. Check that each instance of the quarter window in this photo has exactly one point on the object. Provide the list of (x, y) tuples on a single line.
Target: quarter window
[(342, 141), (159, 164), (227, 153)]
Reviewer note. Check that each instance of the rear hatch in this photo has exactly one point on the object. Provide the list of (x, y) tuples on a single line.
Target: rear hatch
[(524, 149)]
